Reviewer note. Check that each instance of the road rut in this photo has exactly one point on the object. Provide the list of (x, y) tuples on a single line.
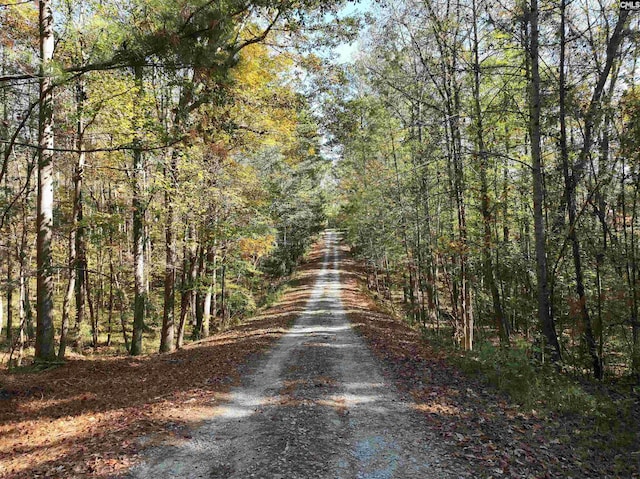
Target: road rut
[(316, 406)]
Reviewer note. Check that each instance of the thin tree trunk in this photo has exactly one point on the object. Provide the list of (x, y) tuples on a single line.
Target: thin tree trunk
[(635, 321), (183, 299), (465, 289), (10, 284), (168, 317), (594, 111), (66, 305), (206, 312), (199, 296), (544, 299), (223, 293), (77, 250), (4, 133), (570, 198), (409, 288), (22, 311), (110, 313), (138, 235), (214, 285), (93, 314), (631, 269), (189, 279), (25, 311), (484, 193), (124, 306)]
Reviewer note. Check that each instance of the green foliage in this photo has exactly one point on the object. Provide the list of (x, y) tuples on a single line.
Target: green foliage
[(600, 420), (532, 384)]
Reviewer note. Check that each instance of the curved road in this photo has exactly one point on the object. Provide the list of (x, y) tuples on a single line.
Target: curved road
[(317, 406)]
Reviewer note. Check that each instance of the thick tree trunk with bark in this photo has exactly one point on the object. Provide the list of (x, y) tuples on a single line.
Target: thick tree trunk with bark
[(45, 347)]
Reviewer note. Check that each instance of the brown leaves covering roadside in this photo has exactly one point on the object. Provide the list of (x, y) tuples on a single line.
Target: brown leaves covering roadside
[(476, 423), (90, 418)]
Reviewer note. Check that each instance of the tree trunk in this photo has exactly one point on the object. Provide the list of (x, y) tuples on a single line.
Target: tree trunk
[(93, 314), (594, 111), (77, 250), (206, 315), (124, 306), (80, 248), (487, 242), (188, 283), (45, 347), (9, 332), (223, 293), (138, 235), (168, 317), (214, 285), (110, 313), (570, 200), (66, 305), (22, 312), (466, 308), (544, 300), (631, 269), (199, 294)]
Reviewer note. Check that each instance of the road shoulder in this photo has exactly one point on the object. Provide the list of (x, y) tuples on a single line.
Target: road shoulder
[(474, 422), (93, 417)]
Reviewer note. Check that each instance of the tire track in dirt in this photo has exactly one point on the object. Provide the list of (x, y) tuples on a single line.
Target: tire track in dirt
[(316, 406)]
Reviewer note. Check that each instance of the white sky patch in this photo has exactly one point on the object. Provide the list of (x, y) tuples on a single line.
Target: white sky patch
[(346, 52)]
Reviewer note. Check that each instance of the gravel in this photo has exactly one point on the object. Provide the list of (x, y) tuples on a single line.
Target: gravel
[(316, 406)]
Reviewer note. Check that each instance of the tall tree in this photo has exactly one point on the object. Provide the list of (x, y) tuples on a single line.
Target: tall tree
[(545, 314), (483, 155), (45, 348), (139, 207)]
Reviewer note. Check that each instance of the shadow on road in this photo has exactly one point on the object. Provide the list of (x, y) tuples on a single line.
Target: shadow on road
[(84, 418)]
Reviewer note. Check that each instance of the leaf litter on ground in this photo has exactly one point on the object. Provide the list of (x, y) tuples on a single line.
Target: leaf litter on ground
[(92, 417), (499, 438)]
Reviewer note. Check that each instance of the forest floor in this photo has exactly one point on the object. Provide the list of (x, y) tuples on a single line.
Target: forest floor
[(496, 436), (92, 417), (293, 393)]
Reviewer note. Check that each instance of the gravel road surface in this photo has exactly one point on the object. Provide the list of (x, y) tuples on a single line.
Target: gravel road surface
[(316, 406)]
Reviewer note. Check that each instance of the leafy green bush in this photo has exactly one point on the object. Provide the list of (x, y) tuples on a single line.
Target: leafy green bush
[(527, 382)]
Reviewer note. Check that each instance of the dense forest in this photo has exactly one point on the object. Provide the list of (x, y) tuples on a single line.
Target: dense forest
[(489, 165), (164, 164), (161, 168), (309, 238)]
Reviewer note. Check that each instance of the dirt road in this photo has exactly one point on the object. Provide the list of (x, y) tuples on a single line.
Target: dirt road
[(316, 406)]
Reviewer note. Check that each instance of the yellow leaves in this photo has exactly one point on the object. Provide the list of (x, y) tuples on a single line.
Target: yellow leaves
[(265, 106), (256, 248), (19, 24)]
